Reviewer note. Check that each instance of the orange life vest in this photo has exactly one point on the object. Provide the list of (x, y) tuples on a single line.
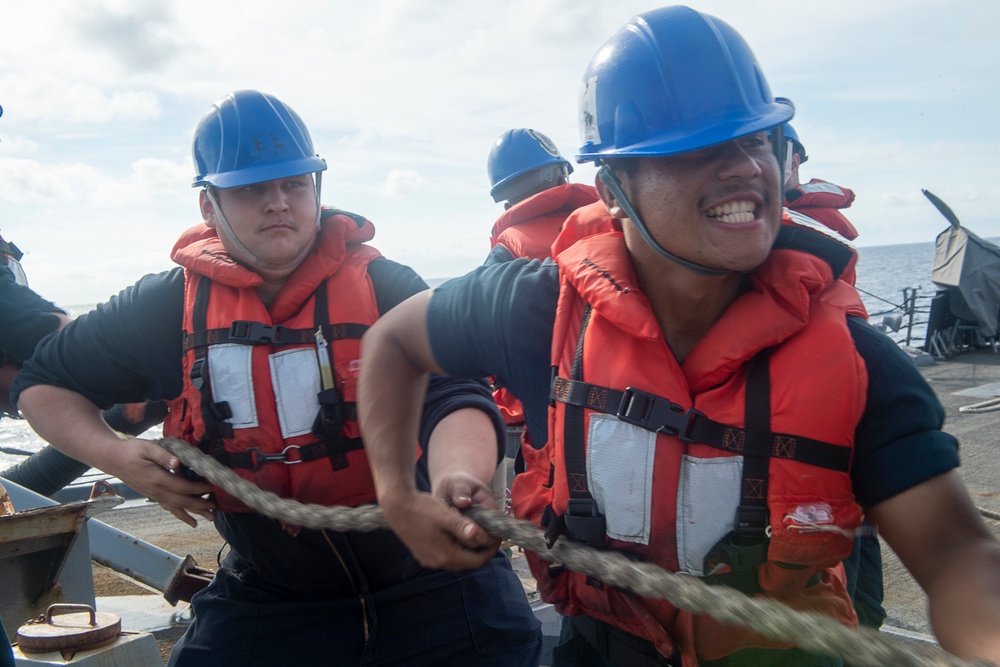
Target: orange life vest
[(528, 228), (653, 458), (794, 218), (822, 201), (254, 395)]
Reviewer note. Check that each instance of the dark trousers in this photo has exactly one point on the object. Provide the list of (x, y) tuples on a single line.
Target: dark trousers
[(479, 617), (864, 580), (585, 642)]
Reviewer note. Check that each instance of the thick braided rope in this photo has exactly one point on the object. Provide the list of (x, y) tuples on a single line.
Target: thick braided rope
[(808, 630), (365, 518), (989, 514), (990, 405)]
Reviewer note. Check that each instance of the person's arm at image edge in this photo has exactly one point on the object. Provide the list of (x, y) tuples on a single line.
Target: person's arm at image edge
[(906, 476), (74, 426), (122, 352), (944, 543)]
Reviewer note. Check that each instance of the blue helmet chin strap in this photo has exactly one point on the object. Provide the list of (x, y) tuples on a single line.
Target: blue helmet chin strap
[(611, 181)]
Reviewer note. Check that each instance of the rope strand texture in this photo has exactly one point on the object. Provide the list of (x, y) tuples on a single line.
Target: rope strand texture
[(809, 631)]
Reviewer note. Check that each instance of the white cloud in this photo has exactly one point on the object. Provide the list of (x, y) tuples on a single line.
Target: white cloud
[(404, 99), (30, 181), (399, 182), (136, 36), (50, 98)]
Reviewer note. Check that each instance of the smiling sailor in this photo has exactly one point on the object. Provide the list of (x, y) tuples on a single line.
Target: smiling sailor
[(675, 364)]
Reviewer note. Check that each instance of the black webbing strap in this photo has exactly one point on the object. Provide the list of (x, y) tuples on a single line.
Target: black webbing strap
[(658, 414), (582, 520), (333, 410), (321, 310), (835, 253), (576, 458), (254, 459), (212, 414), (255, 333), (752, 515)]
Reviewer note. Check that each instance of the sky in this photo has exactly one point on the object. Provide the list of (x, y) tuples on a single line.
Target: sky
[(404, 99)]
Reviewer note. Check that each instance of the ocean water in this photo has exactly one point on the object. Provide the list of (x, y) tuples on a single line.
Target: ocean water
[(883, 272)]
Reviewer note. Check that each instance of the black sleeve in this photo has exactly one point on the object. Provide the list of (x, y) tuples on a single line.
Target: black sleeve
[(25, 318), (125, 351), (393, 283), (899, 442), (498, 255), (498, 320)]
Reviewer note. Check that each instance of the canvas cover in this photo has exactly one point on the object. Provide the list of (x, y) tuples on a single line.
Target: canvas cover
[(969, 268)]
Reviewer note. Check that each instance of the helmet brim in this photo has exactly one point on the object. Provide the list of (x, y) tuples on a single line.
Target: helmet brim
[(262, 173), (685, 141)]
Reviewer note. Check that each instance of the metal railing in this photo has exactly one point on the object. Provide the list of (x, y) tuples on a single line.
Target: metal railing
[(905, 321)]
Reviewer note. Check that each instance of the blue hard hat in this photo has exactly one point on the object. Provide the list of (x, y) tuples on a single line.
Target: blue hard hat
[(251, 137), (518, 152), (673, 80), (793, 136)]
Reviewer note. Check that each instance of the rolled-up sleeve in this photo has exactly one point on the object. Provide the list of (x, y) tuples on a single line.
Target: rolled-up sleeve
[(899, 442), (497, 321)]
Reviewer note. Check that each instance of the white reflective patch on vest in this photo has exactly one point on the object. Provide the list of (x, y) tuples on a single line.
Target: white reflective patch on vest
[(707, 498), (803, 220), (230, 376), (295, 378), (821, 186), (620, 476), (18, 271)]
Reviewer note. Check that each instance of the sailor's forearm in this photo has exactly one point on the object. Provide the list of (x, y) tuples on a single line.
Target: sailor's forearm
[(464, 442), (72, 424), (964, 604), (391, 388), (954, 557)]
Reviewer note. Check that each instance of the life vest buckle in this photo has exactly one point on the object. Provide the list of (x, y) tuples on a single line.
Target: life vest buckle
[(584, 523), (244, 331), (554, 525), (752, 522), (198, 373), (290, 455), (655, 413), (330, 418)]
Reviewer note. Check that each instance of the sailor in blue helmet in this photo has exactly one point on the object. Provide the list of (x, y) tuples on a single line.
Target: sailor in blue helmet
[(819, 200), (675, 364), (528, 173), (523, 162), (254, 340), (531, 177)]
